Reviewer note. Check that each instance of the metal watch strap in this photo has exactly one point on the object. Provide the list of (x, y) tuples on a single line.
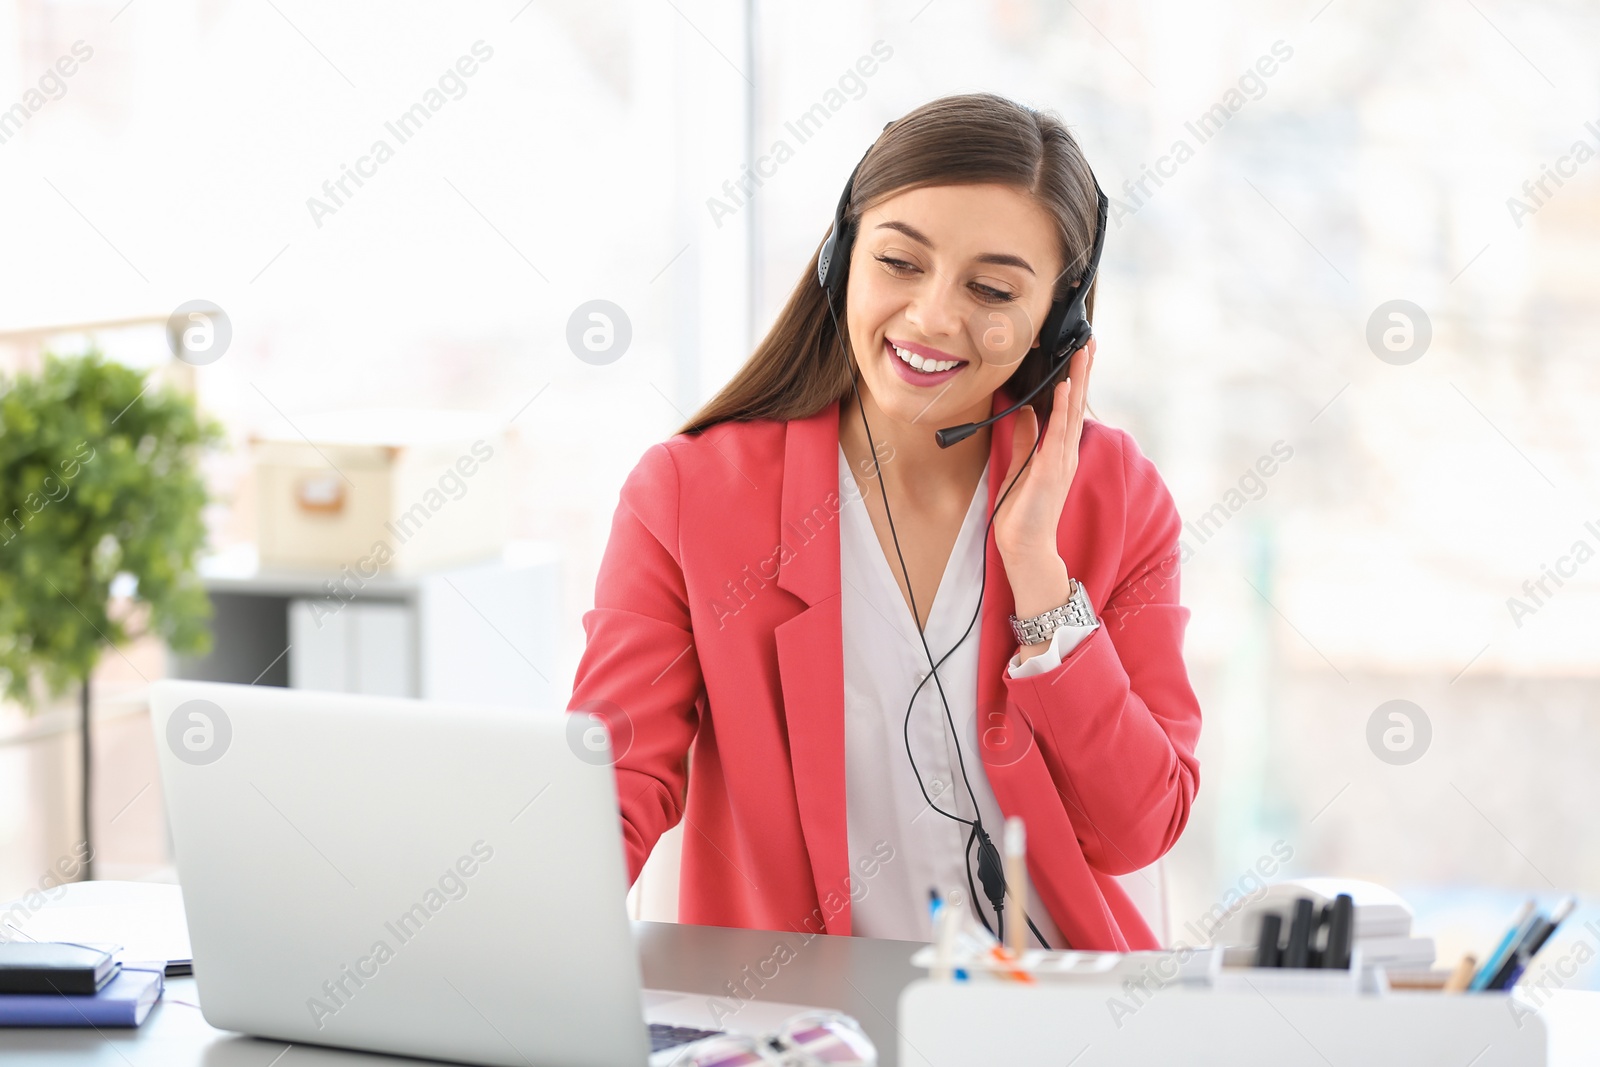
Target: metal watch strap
[(1077, 611)]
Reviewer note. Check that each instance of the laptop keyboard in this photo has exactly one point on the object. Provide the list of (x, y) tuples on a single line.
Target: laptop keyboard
[(664, 1035)]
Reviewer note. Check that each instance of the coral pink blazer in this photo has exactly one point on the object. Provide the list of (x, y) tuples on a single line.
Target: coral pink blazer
[(716, 631)]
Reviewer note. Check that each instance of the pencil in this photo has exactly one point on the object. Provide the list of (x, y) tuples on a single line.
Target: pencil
[(1016, 886), (1457, 982)]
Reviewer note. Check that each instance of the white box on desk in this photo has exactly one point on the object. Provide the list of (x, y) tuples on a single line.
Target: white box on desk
[(977, 1024), (393, 490)]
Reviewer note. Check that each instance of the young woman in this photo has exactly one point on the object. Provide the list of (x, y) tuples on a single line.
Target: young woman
[(782, 573)]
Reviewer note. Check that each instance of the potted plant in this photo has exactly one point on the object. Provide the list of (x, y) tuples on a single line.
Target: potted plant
[(99, 483)]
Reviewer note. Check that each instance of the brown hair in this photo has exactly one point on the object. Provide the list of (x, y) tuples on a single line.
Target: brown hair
[(978, 138)]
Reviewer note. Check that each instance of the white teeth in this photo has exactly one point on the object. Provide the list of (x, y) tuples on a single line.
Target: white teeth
[(926, 366)]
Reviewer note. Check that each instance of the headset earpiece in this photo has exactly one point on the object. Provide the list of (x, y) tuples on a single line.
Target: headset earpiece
[(833, 258), (1070, 317)]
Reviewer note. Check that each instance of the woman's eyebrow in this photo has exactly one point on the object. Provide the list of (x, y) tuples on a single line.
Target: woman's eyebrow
[(1001, 259)]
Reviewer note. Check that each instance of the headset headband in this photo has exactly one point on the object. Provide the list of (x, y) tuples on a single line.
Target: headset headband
[(1066, 327)]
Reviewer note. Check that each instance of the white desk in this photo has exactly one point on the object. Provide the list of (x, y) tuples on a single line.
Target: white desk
[(860, 976)]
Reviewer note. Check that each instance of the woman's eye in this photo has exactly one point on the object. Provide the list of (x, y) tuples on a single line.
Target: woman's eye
[(986, 293)]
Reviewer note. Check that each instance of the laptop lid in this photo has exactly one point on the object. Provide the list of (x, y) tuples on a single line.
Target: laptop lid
[(400, 876)]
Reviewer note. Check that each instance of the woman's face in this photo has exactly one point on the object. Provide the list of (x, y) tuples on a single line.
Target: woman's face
[(958, 279)]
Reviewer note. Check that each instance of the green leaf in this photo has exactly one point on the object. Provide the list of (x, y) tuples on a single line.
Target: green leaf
[(95, 480)]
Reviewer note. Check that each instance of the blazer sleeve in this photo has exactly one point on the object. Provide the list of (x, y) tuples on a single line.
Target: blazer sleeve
[(1117, 721), (639, 671)]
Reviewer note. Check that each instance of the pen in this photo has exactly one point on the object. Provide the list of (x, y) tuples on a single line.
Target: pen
[(1341, 933), (1299, 949), (1267, 951), (1541, 932), (1016, 886), (1521, 922), (1321, 932), (1564, 909), (945, 923)]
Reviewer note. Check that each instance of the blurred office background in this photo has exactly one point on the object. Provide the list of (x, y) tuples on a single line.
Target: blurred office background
[(1313, 163)]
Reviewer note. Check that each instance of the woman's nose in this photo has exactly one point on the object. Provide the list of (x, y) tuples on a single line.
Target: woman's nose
[(937, 309)]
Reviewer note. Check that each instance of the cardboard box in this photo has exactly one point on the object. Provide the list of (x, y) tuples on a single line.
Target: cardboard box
[(391, 490)]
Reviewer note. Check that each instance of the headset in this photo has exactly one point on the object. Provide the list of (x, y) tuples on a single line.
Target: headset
[(1066, 329)]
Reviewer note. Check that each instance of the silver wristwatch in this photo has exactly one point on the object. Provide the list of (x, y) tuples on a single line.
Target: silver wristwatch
[(1077, 611)]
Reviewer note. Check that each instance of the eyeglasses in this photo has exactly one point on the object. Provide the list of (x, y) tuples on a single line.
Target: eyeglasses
[(811, 1039)]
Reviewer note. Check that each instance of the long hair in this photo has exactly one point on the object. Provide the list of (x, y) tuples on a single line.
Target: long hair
[(798, 368)]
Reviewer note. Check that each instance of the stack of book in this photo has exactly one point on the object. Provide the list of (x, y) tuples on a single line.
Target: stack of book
[(1382, 920), (44, 983)]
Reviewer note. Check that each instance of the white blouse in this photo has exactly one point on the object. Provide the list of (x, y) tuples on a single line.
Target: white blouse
[(883, 662)]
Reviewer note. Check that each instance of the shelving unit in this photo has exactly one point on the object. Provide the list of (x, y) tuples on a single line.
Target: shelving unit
[(483, 632)]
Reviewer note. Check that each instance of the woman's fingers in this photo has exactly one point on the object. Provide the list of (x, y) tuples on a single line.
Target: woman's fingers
[(1080, 374), (1066, 401), (1082, 364), (1023, 436), (1066, 423), (1055, 433)]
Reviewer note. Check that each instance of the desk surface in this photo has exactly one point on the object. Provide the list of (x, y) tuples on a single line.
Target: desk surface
[(857, 975)]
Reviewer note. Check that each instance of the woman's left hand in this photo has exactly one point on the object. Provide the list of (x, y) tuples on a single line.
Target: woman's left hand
[(1026, 524)]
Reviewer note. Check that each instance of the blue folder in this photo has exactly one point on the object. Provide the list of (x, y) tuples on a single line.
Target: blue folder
[(124, 1001)]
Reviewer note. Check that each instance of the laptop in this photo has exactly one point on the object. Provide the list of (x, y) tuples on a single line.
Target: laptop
[(412, 877)]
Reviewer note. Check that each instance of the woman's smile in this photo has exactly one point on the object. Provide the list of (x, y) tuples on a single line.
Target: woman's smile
[(920, 364)]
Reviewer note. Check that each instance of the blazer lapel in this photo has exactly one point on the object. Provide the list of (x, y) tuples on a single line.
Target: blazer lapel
[(810, 645), (811, 656)]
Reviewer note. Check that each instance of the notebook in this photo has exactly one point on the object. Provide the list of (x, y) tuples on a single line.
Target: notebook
[(54, 967), (125, 1001)]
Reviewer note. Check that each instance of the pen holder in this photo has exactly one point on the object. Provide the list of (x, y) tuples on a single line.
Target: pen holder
[(957, 1024), (1240, 976)]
